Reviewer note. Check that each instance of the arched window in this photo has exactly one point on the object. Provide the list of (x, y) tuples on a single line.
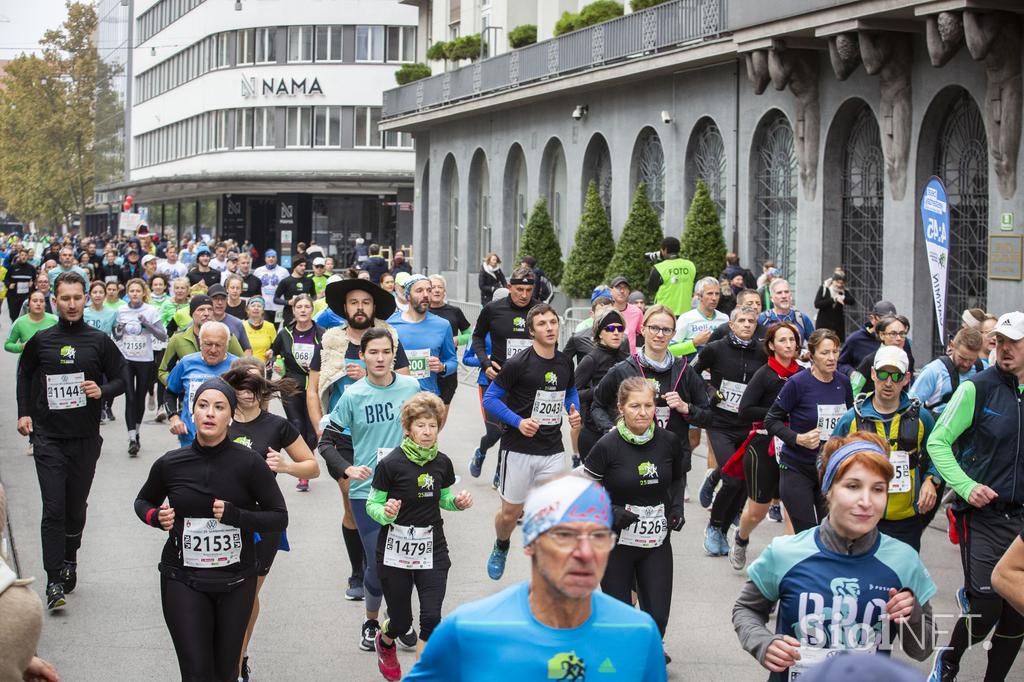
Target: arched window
[(597, 166), (515, 188), (961, 161), (706, 161), (480, 206), (649, 168), (775, 196), (553, 187), (863, 195), (450, 211)]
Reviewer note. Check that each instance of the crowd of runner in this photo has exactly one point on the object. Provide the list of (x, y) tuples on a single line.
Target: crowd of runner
[(833, 435)]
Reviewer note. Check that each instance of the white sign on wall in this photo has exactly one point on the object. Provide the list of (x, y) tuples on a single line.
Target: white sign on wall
[(279, 87)]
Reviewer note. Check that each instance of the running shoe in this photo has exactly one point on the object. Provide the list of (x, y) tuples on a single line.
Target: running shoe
[(387, 660), (961, 601), (476, 464), (775, 513), (496, 481), (55, 597), (668, 659), (355, 589), (69, 576), (133, 447), (243, 674), (151, 402), (161, 415), (723, 542), (686, 492), (496, 562), (943, 671), (711, 543), (110, 415), (409, 639), (369, 634), (302, 486), (707, 489), (738, 555)]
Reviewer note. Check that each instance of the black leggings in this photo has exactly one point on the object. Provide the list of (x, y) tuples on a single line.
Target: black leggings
[(728, 502), (649, 571), (298, 414), (207, 628), (492, 426), (761, 470), (158, 356), (800, 491), (397, 584), (138, 376)]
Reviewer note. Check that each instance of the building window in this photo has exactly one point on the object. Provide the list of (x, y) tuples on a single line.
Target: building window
[(597, 167), (300, 44), (219, 131), (245, 47), (650, 169), (326, 126), (369, 43), (263, 128), (300, 127), (401, 43), (775, 198), (862, 246), (396, 140), (222, 50), (328, 43), (265, 45), (243, 129), (367, 120), (707, 163)]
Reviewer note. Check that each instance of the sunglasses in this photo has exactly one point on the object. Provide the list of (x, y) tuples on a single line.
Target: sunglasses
[(884, 374), (614, 328)]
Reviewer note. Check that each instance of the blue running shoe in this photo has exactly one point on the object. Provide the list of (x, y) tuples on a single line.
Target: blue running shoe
[(723, 543), (961, 600), (775, 513), (497, 480), (943, 671), (707, 489), (496, 562), (476, 464), (711, 542)]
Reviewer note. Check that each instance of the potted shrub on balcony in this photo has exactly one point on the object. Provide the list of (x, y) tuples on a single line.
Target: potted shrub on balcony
[(464, 47), (407, 73), (521, 36), (438, 51), (637, 5)]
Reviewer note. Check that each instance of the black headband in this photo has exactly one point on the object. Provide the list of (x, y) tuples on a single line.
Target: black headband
[(216, 384), (528, 281)]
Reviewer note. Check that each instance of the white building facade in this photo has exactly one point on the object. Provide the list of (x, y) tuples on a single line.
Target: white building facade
[(258, 120)]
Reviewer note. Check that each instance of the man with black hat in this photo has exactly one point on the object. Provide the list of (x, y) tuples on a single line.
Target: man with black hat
[(186, 342), (203, 272), (334, 367), (864, 341), (291, 286), (219, 299), (132, 267)]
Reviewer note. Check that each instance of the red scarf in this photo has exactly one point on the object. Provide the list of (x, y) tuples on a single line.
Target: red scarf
[(783, 372)]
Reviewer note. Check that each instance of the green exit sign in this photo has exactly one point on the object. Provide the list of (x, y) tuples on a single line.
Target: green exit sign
[(1006, 222)]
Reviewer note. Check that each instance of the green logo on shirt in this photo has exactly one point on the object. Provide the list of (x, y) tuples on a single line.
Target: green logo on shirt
[(566, 666), (551, 379), (244, 440), (425, 481), (67, 355), (518, 324), (647, 470)]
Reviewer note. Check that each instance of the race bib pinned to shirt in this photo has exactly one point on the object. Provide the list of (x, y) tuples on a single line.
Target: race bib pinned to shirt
[(21, 287), (732, 393), (828, 417), (136, 347), (547, 407), (514, 346), (419, 362), (649, 531), (303, 353), (208, 543), (64, 391), (900, 461), (409, 547), (662, 415)]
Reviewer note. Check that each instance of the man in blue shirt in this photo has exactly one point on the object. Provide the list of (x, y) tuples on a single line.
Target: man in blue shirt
[(212, 360), (935, 385), (782, 310), (427, 338), (556, 626)]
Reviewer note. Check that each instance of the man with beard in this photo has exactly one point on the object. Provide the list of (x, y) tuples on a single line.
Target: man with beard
[(336, 366), (203, 272), (427, 338), (251, 285)]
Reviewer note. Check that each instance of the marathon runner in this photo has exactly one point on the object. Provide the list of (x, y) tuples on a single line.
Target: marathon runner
[(212, 360), (19, 280), (988, 512), (269, 275), (529, 395), (905, 425), (369, 409), (251, 285), (879, 582), (782, 310), (26, 326), (292, 286), (461, 329), (807, 410), (235, 304), (336, 365), (296, 344), (138, 325), (939, 379), (557, 625), (865, 340), (158, 296), (208, 567), (43, 285), (64, 374), (732, 363), (219, 300), (641, 467), (179, 299), (427, 338), (268, 435), (747, 298), (504, 320), (186, 342), (260, 332), (411, 485), (608, 351), (202, 276), (893, 332), (492, 426)]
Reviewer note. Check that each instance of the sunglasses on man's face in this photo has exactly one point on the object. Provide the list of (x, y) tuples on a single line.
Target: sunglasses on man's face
[(614, 328), (884, 374)]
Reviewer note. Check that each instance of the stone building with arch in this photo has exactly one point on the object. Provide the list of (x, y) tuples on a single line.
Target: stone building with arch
[(814, 123)]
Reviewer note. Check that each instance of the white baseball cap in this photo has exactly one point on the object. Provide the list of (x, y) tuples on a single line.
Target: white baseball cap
[(891, 356), (318, 261), (1010, 325), (148, 257)]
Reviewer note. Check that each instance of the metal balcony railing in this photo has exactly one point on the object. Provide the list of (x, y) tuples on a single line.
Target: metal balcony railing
[(670, 25)]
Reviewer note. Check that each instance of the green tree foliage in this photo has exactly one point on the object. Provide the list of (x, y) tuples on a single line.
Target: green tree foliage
[(637, 5), (640, 235), (408, 73), (464, 47), (438, 51), (524, 35), (539, 240), (566, 23), (593, 246), (48, 109), (702, 240), (594, 13)]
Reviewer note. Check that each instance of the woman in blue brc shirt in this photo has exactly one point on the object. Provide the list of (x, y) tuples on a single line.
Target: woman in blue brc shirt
[(842, 585), (808, 407)]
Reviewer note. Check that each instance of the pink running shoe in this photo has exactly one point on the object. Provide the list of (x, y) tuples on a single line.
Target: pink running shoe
[(387, 660)]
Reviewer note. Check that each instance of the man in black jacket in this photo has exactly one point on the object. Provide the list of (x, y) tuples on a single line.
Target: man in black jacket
[(65, 374), (291, 286), (19, 282)]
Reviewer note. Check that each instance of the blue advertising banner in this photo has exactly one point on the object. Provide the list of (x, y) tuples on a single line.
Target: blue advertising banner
[(935, 219)]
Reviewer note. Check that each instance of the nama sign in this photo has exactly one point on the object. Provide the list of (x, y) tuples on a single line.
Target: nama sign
[(277, 87)]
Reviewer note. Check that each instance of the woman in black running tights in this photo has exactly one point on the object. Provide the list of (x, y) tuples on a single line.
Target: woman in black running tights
[(208, 566)]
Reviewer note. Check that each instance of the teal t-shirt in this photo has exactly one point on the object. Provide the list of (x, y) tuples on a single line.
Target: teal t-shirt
[(101, 319), (371, 413)]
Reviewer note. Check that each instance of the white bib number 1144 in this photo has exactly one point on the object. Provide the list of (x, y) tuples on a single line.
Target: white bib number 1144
[(64, 391)]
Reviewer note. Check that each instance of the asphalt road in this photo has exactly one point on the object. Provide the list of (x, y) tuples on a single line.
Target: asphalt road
[(112, 628)]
